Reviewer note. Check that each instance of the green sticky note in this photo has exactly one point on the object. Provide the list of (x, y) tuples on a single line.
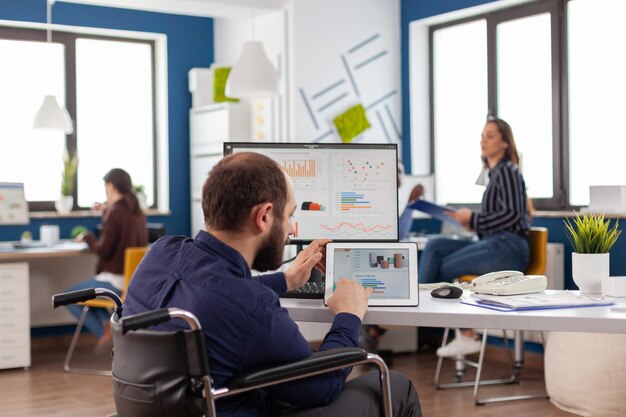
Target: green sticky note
[(351, 123), (220, 75)]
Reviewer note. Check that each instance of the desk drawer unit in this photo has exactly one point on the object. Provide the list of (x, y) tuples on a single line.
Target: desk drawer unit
[(14, 316)]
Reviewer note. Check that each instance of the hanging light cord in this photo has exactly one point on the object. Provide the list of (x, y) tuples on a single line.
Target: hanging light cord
[(49, 19), (253, 11)]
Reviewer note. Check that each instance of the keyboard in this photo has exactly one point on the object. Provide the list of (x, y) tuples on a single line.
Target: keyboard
[(310, 290)]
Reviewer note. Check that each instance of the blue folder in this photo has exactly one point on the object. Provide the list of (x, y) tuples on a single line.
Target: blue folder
[(434, 210)]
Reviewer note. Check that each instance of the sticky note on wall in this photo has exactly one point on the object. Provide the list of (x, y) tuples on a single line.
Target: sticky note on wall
[(351, 123), (220, 75)]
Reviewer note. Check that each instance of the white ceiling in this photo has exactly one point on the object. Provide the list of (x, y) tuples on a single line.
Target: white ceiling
[(206, 8)]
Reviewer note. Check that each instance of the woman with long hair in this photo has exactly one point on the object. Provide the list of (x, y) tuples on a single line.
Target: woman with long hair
[(123, 226), (502, 224)]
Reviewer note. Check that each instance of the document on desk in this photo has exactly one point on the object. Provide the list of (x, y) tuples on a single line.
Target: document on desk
[(434, 210), (539, 301)]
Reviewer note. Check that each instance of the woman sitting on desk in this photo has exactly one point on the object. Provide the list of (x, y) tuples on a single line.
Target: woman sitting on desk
[(502, 222), (123, 225)]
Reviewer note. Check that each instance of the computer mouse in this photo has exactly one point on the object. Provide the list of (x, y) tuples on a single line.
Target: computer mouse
[(447, 291)]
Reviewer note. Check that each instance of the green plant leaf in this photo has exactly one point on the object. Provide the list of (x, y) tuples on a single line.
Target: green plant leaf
[(70, 166), (590, 233)]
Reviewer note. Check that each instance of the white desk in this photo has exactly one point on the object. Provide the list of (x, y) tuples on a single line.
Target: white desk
[(52, 270), (61, 249), (433, 312)]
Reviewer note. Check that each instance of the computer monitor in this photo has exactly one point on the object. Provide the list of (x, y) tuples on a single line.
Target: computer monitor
[(13, 205), (345, 192)]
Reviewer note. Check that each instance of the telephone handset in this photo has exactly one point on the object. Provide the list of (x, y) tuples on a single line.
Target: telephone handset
[(508, 283)]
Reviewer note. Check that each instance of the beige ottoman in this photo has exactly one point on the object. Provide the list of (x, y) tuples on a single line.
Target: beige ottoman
[(586, 373)]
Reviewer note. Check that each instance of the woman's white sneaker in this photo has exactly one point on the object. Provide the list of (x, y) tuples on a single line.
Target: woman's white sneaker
[(461, 345)]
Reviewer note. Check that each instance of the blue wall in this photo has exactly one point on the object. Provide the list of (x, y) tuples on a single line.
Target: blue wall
[(190, 44)]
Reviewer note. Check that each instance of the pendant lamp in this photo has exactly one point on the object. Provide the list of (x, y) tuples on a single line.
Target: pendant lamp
[(50, 115), (253, 75)]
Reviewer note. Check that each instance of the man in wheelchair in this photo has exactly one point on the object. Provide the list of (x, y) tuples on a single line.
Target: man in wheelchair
[(248, 203)]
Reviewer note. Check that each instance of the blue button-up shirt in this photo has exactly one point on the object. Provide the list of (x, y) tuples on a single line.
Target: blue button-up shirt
[(242, 320)]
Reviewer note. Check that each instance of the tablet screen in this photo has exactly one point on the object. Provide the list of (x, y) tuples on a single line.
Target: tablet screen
[(386, 271)]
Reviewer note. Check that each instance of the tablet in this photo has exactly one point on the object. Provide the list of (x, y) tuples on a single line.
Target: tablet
[(389, 268)]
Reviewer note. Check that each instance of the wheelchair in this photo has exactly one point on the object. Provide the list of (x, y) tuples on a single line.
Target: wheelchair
[(166, 373)]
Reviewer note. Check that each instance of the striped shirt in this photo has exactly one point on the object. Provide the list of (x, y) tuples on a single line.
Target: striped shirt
[(503, 208)]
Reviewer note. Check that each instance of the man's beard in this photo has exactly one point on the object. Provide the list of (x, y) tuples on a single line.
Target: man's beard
[(270, 254)]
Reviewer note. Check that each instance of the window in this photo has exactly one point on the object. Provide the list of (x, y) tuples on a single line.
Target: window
[(511, 68), (30, 156), (525, 96), (597, 88), (106, 83), (459, 65), (114, 103)]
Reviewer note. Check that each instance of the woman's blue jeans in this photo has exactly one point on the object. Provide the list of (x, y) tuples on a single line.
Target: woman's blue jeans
[(96, 317), (444, 259)]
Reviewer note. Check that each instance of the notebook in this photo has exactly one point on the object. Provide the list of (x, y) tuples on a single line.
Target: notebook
[(540, 301)]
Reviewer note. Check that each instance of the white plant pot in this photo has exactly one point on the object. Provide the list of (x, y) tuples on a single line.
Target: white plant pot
[(588, 271), (64, 205)]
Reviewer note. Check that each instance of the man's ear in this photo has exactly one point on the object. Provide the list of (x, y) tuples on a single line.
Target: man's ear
[(262, 215)]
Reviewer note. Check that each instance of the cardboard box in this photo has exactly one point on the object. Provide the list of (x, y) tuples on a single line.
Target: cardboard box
[(607, 198), (614, 286)]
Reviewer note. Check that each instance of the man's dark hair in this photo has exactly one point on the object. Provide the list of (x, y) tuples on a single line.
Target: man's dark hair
[(238, 183)]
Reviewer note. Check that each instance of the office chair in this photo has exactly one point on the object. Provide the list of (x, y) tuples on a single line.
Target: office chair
[(538, 242), (166, 373), (132, 258)]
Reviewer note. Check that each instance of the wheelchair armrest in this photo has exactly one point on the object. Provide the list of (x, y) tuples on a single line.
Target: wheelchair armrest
[(318, 361), (143, 320)]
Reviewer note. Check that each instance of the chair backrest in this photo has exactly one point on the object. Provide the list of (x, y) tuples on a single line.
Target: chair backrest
[(538, 242), (158, 373), (132, 258)]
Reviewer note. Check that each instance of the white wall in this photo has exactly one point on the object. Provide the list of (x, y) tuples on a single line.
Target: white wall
[(316, 44), (270, 29), (325, 38)]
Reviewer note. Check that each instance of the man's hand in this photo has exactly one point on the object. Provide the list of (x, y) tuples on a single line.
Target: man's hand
[(300, 270), (349, 297)]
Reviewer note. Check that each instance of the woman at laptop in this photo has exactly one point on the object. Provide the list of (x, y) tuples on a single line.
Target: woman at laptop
[(502, 223), (123, 225)]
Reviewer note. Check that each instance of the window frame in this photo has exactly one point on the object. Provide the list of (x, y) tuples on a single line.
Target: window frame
[(68, 39), (557, 11)]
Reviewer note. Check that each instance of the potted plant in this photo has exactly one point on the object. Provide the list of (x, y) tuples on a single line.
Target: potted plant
[(592, 239), (70, 165)]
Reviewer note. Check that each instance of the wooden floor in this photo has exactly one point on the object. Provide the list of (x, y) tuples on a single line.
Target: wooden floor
[(45, 390)]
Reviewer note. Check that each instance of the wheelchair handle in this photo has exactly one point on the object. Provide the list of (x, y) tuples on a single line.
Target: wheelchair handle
[(79, 296), (151, 318)]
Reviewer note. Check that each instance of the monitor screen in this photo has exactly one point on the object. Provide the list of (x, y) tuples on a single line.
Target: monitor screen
[(13, 205), (345, 192)]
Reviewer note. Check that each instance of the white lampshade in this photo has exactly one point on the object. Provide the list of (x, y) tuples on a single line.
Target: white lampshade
[(52, 116), (253, 75)]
